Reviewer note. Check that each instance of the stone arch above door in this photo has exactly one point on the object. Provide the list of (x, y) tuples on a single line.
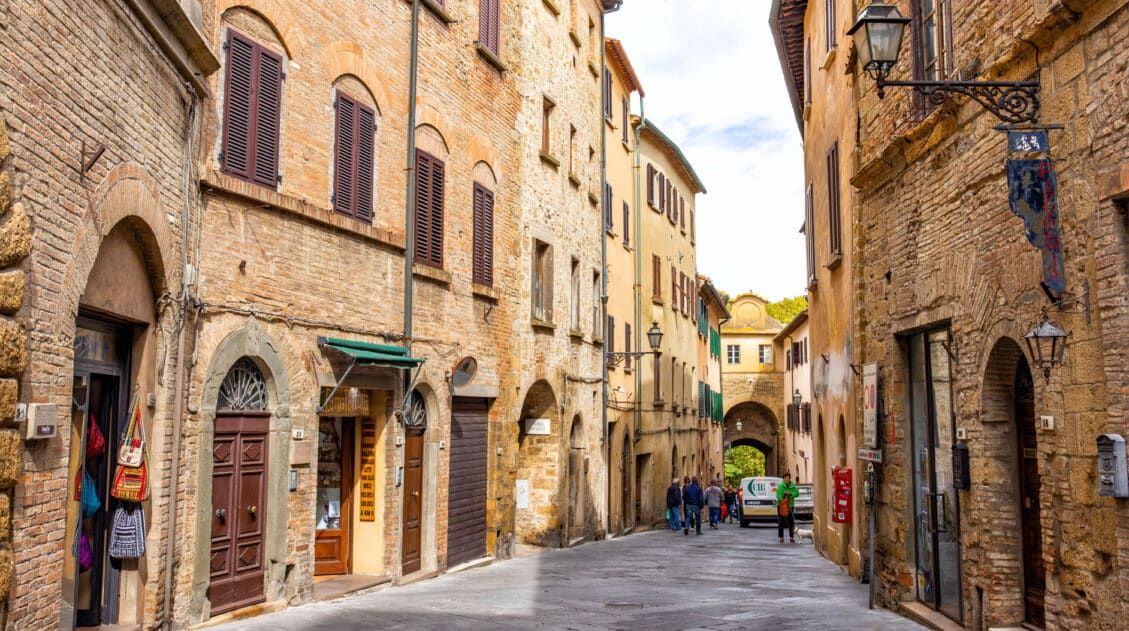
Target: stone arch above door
[(759, 428)]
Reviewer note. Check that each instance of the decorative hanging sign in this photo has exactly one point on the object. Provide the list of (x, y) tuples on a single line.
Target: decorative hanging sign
[(368, 470), (1033, 195)]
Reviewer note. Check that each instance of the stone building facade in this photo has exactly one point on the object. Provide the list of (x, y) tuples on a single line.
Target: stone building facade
[(753, 381), (948, 286), (793, 347), (815, 56)]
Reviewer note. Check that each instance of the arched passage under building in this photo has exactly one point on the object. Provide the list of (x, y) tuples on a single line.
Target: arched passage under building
[(540, 479), (754, 424)]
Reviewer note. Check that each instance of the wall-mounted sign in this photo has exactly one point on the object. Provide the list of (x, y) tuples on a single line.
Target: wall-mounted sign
[(1028, 141), (1033, 195), (537, 426), (368, 470), (521, 494), (870, 455), (870, 405), (345, 402)]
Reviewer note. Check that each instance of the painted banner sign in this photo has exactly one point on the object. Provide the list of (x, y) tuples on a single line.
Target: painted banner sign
[(1033, 194), (870, 405), (368, 470)]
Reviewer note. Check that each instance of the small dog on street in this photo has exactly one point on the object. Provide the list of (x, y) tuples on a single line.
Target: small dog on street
[(802, 534)]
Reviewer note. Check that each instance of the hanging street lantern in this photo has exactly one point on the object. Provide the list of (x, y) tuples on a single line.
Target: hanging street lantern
[(878, 35), (654, 336), (797, 398), (1046, 343)]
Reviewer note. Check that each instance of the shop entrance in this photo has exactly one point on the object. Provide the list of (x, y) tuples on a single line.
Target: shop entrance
[(332, 541), (99, 390), (936, 505), (1034, 570), (466, 490), (411, 560)]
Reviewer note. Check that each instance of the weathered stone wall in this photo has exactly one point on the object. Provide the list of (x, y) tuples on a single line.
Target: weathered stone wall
[(938, 244)]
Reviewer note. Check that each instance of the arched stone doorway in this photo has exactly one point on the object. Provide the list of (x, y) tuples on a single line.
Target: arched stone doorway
[(758, 428), (1010, 437), (538, 518)]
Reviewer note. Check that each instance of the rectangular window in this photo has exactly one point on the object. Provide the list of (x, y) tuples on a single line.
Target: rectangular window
[(489, 25), (608, 95), (627, 343), (765, 352), (933, 48), (483, 246), (626, 225), (809, 234), (682, 213), (829, 15), (662, 192), (429, 210), (671, 209), (693, 236), (733, 353), (353, 159), (610, 337), (542, 281), (547, 107), (833, 220), (252, 111), (574, 304), (788, 359), (626, 126), (651, 185), (608, 199), (656, 278)]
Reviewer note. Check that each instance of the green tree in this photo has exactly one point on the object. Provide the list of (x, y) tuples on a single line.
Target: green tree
[(786, 310), (743, 461)]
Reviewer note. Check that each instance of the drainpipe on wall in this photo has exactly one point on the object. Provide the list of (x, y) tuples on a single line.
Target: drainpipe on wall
[(604, 104), (409, 208), (637, 420), (178, 375)]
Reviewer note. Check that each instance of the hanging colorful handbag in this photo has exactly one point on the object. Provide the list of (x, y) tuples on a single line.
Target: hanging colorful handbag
[(87, 494), (127, 535), (95, 440), (132, 450), (131, 481), (85, 553)]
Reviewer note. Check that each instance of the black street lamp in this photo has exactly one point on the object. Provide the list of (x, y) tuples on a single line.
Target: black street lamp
[(654, 338), (1046, 343), (878, 33), (797, 398)]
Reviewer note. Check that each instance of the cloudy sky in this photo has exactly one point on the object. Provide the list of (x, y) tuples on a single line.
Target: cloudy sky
[(714, 85)]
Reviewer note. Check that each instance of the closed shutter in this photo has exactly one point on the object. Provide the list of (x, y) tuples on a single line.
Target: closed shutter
[(466, 491), (353, 159), (625, 125), (626, 224), (611, 334), (429, 210), (833, 223), (483, 255), (651, 185), (656, 277), (268, 111), (608, 198), (238, 118), (662, 192), (489, 24), (682, 213), (366, 159), (692, 235), (673, 288), (627, 342)]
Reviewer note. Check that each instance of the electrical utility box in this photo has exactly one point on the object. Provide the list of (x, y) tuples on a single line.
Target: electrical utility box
[(1113, 477), (42, 421)]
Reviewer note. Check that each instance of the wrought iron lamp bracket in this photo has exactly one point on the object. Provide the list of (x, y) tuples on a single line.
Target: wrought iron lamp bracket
[(1013, 102), (617, 358), (1068, 302)]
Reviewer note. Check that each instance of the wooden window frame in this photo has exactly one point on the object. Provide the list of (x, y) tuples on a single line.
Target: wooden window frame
[(541, 288), (732, 354), (656, 278), (260, 167), (934, 64), (830, 31)]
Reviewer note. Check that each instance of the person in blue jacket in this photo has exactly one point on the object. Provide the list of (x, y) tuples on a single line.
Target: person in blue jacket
[(674, 505), (692, 499)]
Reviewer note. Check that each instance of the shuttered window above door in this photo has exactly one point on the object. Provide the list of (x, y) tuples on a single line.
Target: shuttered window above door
[(353, 158), (429, 210), (252, 111)]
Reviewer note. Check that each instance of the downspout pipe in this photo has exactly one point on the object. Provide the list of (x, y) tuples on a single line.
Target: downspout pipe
[(409, 207), (604, 105), (639, 324)]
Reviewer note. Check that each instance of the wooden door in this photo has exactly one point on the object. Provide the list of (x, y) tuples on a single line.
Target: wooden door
[(413, 503), (333, 513), (1034, 571), (466, 496), (239, 511)]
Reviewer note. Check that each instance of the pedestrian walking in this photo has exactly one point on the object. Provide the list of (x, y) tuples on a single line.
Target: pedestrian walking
[(674, 505), (692, 498), (786, 494), (731, 502), (714, 497)]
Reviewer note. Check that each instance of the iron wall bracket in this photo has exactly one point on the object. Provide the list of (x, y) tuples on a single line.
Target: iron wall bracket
[(1010, 101)]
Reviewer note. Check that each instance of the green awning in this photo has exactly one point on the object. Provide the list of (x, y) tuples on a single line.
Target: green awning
[(368, 354)]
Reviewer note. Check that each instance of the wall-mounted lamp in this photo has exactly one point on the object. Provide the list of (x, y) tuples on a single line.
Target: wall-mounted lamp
[(1046, 343)]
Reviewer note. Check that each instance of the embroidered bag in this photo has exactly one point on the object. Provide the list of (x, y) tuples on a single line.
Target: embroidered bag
[(95, 441), (784, 508), (132, 450), (90, 501), (127, 535), (131, 483)]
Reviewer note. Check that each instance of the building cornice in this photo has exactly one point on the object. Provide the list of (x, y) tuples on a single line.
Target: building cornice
[(786, 19), (673, 151), (617, 57)]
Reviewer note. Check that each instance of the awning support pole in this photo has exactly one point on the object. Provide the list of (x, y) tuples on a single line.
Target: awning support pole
[(337, 386)]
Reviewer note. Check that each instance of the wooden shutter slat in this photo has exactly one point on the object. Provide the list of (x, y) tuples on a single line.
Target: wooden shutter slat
[(656, 277), (237, 114), (268, 110), (673, 288), (436, 220), (483, 242), (363, 176), (344, 167), (423, 204), (651, 185)]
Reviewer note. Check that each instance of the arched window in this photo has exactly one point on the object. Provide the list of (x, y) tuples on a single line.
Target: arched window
[(415, 412), (243, 389)]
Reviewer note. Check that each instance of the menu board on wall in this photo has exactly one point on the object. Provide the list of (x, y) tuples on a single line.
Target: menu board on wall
[(368, 470)]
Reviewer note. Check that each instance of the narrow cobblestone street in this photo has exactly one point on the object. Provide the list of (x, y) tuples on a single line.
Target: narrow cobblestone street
[(732, 578)]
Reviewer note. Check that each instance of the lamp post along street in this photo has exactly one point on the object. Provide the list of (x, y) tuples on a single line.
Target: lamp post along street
[(654, 338)]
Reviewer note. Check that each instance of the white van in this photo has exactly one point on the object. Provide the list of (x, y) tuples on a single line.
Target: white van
[(758, 499)]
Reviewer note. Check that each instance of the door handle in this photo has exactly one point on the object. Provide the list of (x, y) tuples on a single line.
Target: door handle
[(415, 493), (222, 514), (251, 509)]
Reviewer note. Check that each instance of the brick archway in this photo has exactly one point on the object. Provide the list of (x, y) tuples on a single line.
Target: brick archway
[(759, 429)]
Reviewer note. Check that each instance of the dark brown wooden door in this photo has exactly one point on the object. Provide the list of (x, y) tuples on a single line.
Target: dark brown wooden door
[(413, 502), (333, 514), (466, 497), (239, 474), (1034, 571)]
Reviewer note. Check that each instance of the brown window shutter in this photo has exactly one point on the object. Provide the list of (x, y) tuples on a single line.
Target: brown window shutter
[(625, 125), (363, 177), (682, 213), (627, 342), (651, 185), (489, 24), (662, 192), (268, 114), (344, 162), (656, 277), (611, 334), (238, 117), (674, 288), (423, 205), (626, 224), (483, 246), (693, 237), (436, 221)]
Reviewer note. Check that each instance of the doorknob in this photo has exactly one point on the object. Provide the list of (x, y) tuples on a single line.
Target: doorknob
[(221, 513), (415, 493), (251, 509)]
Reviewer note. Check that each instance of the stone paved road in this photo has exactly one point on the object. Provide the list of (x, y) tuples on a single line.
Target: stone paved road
[(732, 578)]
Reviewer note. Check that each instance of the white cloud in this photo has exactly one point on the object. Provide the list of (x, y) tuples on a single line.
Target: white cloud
[(714, 85)]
